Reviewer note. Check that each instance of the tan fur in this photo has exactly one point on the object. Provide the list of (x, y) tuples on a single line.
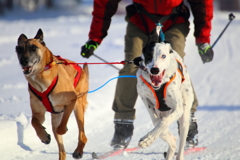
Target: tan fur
[(64, 97)]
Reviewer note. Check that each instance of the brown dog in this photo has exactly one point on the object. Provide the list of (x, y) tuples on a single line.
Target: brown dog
[(57, 88)]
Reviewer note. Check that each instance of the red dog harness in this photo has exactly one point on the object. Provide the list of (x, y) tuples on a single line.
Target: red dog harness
[(161, 94), (44, 96)]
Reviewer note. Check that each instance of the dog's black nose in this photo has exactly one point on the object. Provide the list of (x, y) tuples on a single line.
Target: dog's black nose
[(24, 61), (154, 70)]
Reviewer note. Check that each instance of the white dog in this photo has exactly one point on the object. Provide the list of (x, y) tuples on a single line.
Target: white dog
[(164, 85)]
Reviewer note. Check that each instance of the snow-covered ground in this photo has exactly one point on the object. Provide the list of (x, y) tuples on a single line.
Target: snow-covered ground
[(217, 85)]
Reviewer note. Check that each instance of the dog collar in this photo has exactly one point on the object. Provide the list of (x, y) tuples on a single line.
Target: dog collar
[(50, 65)]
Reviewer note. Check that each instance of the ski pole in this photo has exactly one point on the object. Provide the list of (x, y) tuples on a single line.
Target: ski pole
[(106, 61), (231, 17)]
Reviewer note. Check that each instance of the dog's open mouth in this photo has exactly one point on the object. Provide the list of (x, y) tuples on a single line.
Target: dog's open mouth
[(28, 70), (157, 80)]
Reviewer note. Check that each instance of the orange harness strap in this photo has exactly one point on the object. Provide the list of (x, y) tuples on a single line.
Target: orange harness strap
[(165, 88), (180, 69), (153, 92)]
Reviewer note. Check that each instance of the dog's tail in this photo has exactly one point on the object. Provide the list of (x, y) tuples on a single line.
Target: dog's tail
[(85, 68)]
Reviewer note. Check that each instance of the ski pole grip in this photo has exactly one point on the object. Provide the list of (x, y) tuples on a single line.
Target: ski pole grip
[(231, 16)]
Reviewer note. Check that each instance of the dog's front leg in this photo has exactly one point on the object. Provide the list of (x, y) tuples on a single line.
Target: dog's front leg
[(56, 118), (188, 97), (161, 129), (79, 114), (184, 126), (37, 121), (62, 128), (171, 140), (149, 138)]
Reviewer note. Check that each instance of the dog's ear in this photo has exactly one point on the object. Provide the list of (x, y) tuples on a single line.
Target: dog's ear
[(39, 37), (170, 51), (22, 37)]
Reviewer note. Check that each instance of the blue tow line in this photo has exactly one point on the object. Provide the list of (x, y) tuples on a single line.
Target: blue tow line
[(161, 39), (125, 76)]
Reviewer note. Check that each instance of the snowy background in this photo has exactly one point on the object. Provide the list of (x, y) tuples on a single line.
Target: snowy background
[(217, 86)]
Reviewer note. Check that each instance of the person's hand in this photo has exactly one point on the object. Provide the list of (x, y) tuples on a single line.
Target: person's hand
[(206, 52), (88, 48), (138, 61)]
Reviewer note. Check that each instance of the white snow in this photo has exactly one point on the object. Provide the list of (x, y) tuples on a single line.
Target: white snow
[(217, 85)]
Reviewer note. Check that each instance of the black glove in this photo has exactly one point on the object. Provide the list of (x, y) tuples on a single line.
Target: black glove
[(88, 48), (205, 52), (138, 62)]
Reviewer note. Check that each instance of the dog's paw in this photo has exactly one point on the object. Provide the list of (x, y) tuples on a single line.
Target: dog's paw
[(44, 137), (77, 155), (61, 130), (146, 141), (48, 139)]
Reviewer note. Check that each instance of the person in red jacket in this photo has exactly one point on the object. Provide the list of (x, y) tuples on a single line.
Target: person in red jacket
[(141, 18)]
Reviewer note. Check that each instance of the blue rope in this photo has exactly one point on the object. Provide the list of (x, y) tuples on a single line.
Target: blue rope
[(161, 34), (130, 76)]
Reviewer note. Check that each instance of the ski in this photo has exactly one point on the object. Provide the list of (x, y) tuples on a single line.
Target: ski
[(120, 151), (112, 153), (190, 150)]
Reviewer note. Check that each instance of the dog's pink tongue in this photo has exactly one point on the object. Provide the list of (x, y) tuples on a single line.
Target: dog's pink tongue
[(26, 69), (156, 79)]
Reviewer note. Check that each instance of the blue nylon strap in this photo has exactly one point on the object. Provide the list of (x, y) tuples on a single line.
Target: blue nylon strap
[(125, 76), (161, 34)]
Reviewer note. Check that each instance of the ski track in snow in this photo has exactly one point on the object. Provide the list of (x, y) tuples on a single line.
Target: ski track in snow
[(216, 84)]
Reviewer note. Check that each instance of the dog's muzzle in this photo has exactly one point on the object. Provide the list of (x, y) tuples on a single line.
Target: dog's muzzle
[(24, 61), (156, 77), (154, 71), (27, 69)]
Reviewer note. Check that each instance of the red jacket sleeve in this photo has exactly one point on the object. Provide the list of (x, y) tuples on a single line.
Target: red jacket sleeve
[(103, 10), (202, 11)]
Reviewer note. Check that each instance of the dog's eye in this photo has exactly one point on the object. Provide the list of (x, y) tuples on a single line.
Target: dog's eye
[(163, 56), (33, 48), (19, 49)]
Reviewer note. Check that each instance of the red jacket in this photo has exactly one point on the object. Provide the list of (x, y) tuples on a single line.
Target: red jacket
[(202, 11)]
